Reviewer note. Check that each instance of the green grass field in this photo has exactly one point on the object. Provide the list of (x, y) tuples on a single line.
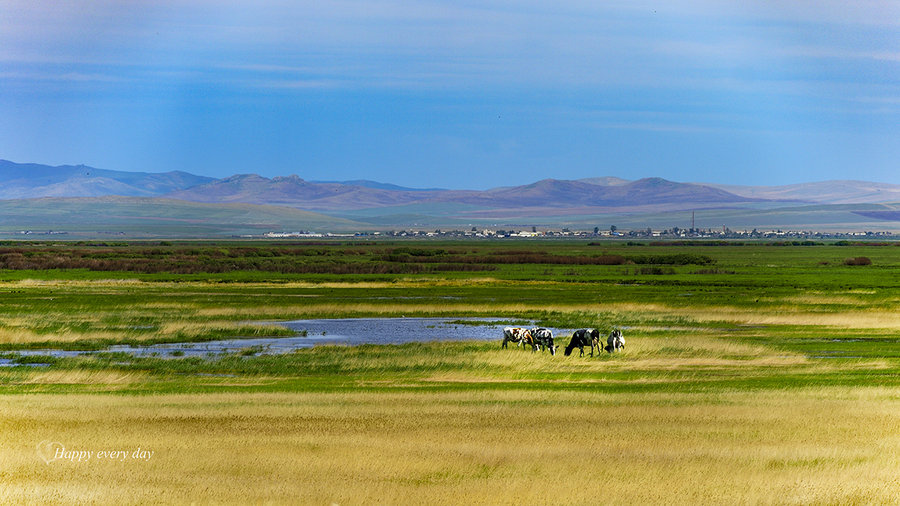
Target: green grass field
[(753, 373)]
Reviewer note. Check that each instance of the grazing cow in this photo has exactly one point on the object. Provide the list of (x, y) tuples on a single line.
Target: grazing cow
[(529, 339), (544, 339), (582, 338), (517, 335), (615, 341), (511, 334)]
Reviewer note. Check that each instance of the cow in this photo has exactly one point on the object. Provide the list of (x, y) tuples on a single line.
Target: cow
[(511, 334), (582, 338), (529, 339), (544, 339), (517, 335), (615, 341)]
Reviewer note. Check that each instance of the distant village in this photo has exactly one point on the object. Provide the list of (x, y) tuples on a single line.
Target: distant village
[(613, 232)]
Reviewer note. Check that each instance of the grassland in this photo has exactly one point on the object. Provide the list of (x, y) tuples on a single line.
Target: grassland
[(137, 217), (754, 373)]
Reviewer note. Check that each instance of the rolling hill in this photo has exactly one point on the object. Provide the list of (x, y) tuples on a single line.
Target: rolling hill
[(293, 191), (826, 192), (184, 204), (551, 193), (30, 180)]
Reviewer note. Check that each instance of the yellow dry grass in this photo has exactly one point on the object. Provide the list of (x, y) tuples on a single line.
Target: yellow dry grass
[(818, 298), (81, 377), (401, 282), (73, 282), (193, 328), (25, 335), (20, 330), (785, 315), (313, 309), (653, 353), (823, 446)]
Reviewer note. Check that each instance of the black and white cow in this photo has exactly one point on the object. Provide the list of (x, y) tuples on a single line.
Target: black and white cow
[(543, 338), (582, 338), (615, 341), (528, 339), (517, 335), (511, 334)]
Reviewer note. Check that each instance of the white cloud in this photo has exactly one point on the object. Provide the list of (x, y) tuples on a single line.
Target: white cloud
[(440, 44)]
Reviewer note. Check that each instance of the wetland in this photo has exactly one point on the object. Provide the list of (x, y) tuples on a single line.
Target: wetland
[(754, 372)]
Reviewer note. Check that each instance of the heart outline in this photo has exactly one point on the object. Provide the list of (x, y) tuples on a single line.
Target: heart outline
[(46, 450)]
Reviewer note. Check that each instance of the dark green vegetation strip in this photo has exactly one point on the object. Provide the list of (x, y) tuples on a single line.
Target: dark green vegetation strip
[(308, 258)]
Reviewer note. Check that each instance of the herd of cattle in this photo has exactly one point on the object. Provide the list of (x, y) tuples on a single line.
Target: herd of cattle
[(542, 338)]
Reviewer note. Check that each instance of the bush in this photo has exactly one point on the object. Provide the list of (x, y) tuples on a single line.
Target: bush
[(653, 271), (713, 271), (858, 261), (677, 259)]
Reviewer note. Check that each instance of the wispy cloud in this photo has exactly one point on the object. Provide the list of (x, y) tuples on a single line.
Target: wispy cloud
[(72, 77), (690, 68), (434, 43)]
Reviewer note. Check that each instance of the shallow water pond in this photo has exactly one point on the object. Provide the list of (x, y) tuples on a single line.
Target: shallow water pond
[(346, 331)]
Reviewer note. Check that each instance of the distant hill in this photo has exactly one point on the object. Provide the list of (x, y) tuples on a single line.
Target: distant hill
[(554, 193), (361, 204), (29, 180), (381, 186), (605, 181), (826, 192), (296, 192)]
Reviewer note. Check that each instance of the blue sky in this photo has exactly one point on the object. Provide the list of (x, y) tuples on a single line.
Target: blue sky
[(456, 94)]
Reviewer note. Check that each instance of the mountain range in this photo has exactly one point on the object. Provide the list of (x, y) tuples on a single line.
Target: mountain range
[(31, 180), (293, 191), (549, 201)]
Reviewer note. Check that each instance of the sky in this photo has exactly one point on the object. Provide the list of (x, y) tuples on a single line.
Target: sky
[(457, 93)]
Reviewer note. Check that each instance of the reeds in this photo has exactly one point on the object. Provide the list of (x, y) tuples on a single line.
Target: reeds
[(834, 446)]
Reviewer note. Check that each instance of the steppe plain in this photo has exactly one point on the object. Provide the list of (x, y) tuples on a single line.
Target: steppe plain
[(754, 373)]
